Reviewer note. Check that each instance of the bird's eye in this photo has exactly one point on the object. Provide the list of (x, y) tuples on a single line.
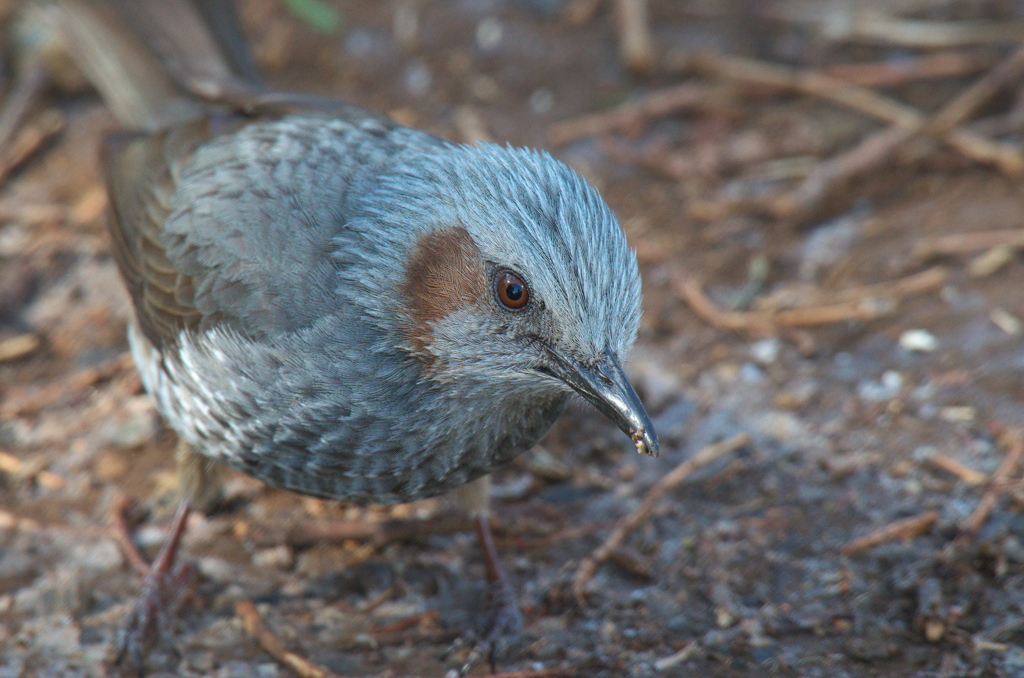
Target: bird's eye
[(512, 292)]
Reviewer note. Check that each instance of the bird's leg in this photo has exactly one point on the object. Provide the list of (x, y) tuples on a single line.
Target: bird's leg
[(162, 592), (152, 616), (502, 620)]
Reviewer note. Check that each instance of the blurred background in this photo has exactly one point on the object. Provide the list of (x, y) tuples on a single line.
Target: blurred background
[(825, 198)]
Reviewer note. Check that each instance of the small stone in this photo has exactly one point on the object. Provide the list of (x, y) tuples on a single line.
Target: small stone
[(886, 388), (990, 261), (417, 78), (217, 569), (765, 351), (1006, 321), (280, 558), (541, 101), (488, 34), (958, 414), (918, 341)]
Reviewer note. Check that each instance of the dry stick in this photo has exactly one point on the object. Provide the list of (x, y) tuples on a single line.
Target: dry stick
[(636, 48), (22, 97), (871, 152), (589, 566), (971, 99), (273, 645), (892, 74), (28, 140), (950, 465), (982, 149), (552, 672), (966, 243), (1013, 440), (854, 304), (917, 283), (656, 104), (15, 406), (123, 535), (580, 12), (932, 34), (901, 529)]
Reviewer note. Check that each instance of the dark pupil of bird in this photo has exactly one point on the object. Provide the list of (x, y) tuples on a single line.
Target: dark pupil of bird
[(514, 291)]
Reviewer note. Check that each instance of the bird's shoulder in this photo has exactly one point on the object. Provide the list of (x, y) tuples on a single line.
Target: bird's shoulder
[(229, 219)]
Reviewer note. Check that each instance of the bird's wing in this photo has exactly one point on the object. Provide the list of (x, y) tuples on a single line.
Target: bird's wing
[(231, 220)]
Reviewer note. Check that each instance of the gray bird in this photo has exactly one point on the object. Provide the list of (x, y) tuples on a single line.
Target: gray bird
[(338, 305)]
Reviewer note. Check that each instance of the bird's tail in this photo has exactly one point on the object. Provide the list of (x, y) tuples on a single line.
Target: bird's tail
[(155, 62)]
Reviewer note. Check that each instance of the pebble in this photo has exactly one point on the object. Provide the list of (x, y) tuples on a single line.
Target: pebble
[(919, 341), (766, 351), (279, 557), (217, 569), (488, 34), (886, 388)]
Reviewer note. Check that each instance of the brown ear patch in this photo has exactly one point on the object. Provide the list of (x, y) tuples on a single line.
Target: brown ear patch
[(444, 273)]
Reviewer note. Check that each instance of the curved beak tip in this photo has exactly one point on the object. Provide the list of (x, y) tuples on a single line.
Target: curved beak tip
[(646, 442), (606, 386)]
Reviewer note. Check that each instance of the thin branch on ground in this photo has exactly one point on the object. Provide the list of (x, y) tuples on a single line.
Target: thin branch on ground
[(588, 568), (636, 46), (893, 73), (687, 96), (29, 139), (1013, 440), (957, 111), (905, 530), (967, 243), (865, 303), (950, 465)]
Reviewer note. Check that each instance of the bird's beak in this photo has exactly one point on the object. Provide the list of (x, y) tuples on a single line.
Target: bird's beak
[(605, 385)]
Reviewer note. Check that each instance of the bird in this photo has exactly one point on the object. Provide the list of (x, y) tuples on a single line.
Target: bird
[(331, 302)]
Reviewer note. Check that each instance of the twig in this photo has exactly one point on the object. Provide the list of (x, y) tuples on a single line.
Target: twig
[(976, 147), (18, 346), (930, 34), (901, 529), (123, 535), (32, 78), (580, 12), (636, 48), (1013, 441), (950, 465), (408, 622), (28, 140), (863, 303), (273, 645), (967, 243), (892, 73), (380, 533), (812, 83), (588, 568), (14, 406), (552, 672), (870, 153), (916, 283), (689, 650), (963, 106), (656, 104)]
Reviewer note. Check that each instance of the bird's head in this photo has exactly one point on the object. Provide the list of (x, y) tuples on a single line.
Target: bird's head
[(517, 276)]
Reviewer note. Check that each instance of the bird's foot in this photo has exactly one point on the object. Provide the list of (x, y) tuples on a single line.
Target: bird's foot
[(152, 616), (497, 631)]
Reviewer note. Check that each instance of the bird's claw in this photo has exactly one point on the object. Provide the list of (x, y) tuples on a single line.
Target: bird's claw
[(496, 632), (152, 616)]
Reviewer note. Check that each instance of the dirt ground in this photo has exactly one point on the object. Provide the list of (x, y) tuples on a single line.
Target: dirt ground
[(795, 292)]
